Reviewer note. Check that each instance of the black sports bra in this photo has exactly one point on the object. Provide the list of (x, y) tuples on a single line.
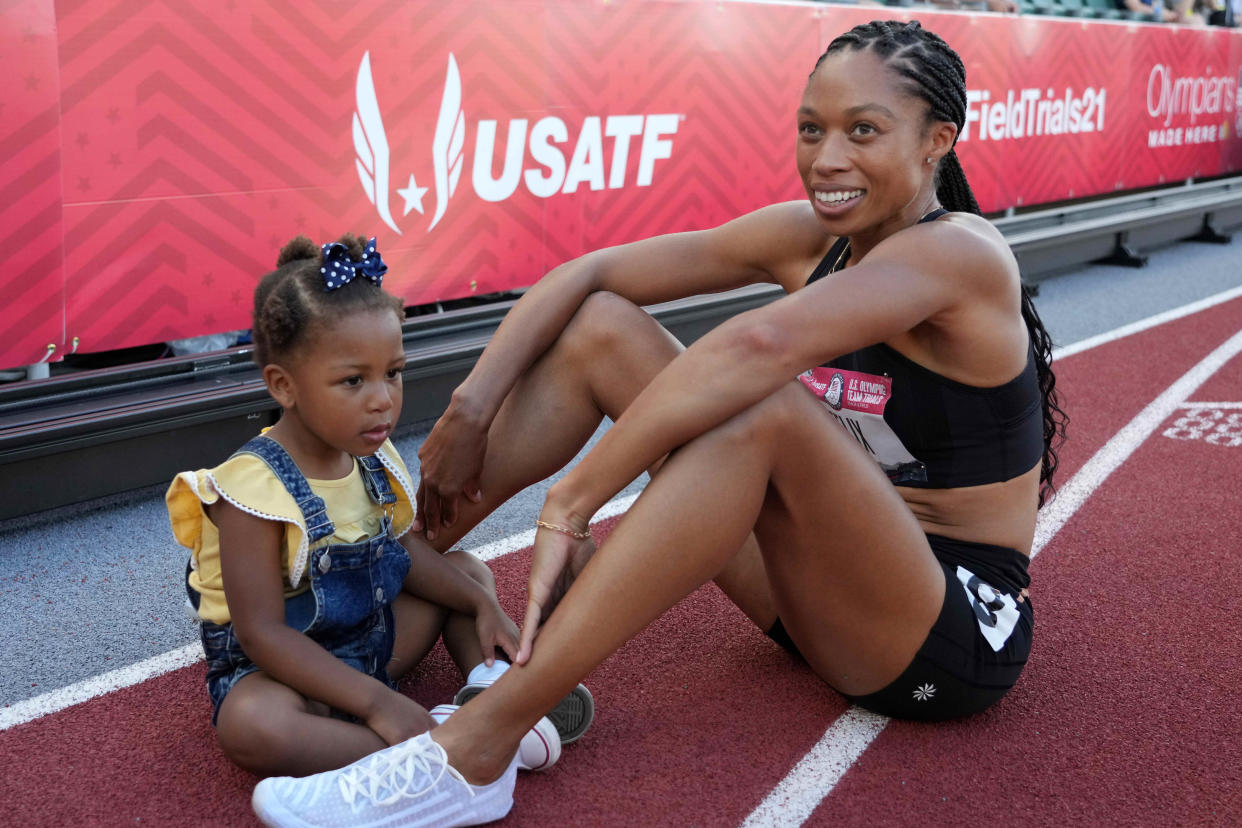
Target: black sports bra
[(924, 429)]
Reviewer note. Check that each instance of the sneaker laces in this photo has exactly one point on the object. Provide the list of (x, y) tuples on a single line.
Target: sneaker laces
[(392, 774)]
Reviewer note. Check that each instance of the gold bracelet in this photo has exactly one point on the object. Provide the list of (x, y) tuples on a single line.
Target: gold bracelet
[(563, 530)]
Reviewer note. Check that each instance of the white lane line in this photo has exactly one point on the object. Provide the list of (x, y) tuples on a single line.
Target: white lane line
[(1144, 324), (1105, 461), (521, 540), (57, 700), (815, 776), (1211, 405), (800, 793)]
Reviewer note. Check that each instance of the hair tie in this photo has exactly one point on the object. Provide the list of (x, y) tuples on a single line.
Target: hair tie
[(338, 269)]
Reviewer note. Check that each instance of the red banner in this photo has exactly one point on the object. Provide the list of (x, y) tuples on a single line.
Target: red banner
[(1060, 109), (157, 154), (32, 297)]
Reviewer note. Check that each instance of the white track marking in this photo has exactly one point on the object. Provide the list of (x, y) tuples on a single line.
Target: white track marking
[(1105, 461), (504, 546), (1144, 324), (30, 709), (817, 773), (521, 540), (1211, 405), (57, 700), (815, 776)]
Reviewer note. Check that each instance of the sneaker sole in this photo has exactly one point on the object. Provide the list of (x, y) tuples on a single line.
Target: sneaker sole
[(272, 813), (571, 717)]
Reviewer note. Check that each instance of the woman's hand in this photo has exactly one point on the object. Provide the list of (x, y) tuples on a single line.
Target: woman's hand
[(495, 629), (582, 554), (451, 460), (558, 559), (395, 717)]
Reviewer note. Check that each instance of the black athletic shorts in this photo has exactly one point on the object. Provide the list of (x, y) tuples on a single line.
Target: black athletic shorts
[(977, 647)]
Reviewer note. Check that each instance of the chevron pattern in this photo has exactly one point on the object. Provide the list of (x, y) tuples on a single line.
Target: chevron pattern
[(32, 302), (1057, 56), (1209, 58), (195, 137)]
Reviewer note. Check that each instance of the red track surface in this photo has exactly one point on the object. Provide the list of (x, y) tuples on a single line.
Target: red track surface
[(1127, 713)]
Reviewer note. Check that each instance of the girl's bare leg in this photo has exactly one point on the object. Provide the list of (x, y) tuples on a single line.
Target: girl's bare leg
[(270, 729), (419, 624), (850, 570)]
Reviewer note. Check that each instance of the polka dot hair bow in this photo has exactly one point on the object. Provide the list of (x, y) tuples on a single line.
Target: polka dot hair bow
[(339, 270)]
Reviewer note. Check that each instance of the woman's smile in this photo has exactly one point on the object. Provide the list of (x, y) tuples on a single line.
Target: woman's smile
[(837, 202)]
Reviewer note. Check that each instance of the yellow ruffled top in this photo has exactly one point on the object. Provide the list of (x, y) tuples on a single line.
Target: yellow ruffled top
[(249, 484)]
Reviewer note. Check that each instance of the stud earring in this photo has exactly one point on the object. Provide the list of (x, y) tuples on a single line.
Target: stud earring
[(929, 159)]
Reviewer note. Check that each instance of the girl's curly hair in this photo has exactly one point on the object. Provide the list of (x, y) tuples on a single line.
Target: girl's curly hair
[(291, 299)]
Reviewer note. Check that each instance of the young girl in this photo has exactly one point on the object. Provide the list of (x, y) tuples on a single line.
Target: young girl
[(313, 596)]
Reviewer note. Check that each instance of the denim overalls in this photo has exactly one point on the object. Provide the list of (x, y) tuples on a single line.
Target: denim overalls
[(348, 608)]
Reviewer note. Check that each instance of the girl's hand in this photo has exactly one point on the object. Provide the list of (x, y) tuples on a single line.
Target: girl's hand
[(451, 460), (495, 629), (558, 558), (396, 718)]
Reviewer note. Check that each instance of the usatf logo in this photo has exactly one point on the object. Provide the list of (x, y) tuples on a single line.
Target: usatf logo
[(836, 389), (548, 176)]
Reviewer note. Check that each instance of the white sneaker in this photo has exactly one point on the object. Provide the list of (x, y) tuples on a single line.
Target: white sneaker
[(571, 717), (408, 784), (539, 749)]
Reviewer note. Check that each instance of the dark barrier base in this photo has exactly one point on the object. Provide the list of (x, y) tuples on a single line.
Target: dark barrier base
[(82, 436)]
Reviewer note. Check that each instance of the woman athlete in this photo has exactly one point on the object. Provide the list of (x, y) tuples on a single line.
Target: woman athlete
[(876, 516)]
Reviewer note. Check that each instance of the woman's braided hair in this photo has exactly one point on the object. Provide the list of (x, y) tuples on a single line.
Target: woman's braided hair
[(290, 300), (933, 72)]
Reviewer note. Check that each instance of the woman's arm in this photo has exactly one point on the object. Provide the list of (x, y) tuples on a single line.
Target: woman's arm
[(920, 274), (659, 269), (250, 554), (745, 251)]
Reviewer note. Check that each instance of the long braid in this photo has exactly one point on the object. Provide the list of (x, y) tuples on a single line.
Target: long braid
[(935, 73)]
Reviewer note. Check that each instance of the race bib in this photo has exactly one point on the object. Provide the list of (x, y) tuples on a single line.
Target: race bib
[(857, 400)]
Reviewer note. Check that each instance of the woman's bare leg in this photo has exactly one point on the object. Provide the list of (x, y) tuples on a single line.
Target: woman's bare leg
[(851, 573), (607, 354), (744, 580)]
